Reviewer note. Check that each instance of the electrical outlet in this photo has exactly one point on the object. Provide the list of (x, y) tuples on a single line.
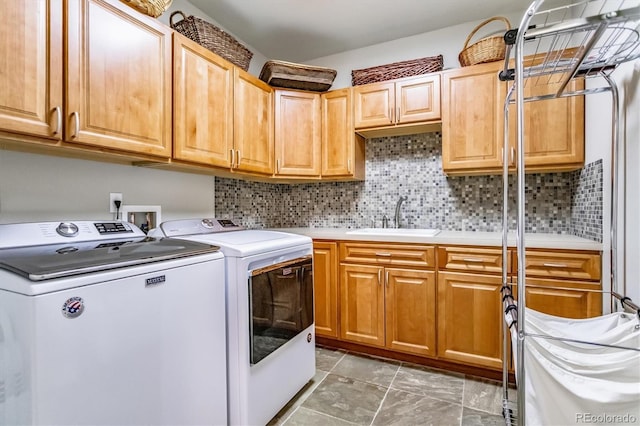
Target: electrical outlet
[(114, 196)]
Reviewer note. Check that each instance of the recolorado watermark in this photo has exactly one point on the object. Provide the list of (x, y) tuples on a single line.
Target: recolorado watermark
[(606, 418)]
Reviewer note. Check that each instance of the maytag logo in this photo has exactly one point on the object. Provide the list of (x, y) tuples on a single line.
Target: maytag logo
[(155, 280)]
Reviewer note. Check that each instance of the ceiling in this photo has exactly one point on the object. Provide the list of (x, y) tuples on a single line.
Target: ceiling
[(300, 30)]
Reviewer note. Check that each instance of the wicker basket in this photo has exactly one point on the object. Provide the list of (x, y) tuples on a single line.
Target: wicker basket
[(213, 38), (297, 76), (396, 70), (153, 8), (488, 49)]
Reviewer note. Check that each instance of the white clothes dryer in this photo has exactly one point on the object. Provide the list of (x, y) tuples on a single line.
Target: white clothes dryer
[(270, 337)]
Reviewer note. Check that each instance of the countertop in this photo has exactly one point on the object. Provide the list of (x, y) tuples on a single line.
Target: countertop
[(533, 240)]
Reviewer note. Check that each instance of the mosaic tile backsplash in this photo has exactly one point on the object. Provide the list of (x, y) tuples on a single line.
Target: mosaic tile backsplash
[(411, 166)]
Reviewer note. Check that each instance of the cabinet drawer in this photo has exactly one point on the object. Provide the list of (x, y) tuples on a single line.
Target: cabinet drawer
[(563, 298), (561, 264), (471, 259), (388, 254)]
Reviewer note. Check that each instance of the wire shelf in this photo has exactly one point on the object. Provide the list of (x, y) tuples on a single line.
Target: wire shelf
[(586, 39)]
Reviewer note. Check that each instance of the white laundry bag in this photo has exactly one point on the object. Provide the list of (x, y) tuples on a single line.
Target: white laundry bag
[(574, 383)]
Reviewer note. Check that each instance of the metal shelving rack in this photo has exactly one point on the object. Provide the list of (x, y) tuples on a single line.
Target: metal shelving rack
[(588, 38)]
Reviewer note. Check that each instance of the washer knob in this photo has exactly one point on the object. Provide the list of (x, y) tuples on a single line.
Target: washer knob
[(67, 229), (208, 223)]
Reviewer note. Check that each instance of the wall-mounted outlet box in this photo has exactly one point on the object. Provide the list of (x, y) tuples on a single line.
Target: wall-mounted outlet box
[(145, 217), (114, 196)]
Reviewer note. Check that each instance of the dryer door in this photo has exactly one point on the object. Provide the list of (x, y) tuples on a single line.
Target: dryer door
[(280, 304)]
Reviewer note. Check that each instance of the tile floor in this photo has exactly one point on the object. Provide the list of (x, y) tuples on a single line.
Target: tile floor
[(353, 389)]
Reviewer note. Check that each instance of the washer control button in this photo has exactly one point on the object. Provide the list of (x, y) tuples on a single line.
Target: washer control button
[(67, 229)]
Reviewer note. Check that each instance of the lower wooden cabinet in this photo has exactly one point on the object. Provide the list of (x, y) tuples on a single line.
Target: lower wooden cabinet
[(388, 307), (362, 304), (441, 302), (410, 311), (470, 318), (325, 286)]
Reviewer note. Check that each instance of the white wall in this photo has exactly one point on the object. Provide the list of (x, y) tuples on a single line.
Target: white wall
[(448, 42), (42, 188), (628, 78)]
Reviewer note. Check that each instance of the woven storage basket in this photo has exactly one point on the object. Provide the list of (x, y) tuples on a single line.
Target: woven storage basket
[(153, 8), (213, 38), (297, 76), (488, 49), (396, 70)]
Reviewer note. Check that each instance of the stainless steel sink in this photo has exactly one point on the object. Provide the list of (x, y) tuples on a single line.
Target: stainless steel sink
[(402, 232)]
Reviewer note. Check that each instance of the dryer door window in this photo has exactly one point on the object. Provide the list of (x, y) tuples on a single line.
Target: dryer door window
[(281, 305)]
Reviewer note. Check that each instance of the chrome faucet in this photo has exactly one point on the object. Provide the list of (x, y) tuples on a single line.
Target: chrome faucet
[(385, 221), (397, 216)]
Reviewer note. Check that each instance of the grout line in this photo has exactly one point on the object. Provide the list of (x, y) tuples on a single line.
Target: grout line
[(385, 395), (338, 362), (300, 402), (464, 386), (329, 415)]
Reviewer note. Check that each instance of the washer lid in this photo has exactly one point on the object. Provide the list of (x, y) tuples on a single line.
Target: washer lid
[(250, 242), (61, 260)]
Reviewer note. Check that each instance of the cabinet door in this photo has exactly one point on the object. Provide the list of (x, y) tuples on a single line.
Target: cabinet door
[(418, 99), (374, 105), (253, 124), (325, 285), (472, 119), (297, 133), (411, 311), (342, 148), (31, 68), (118, 78), (362, 304), (203, 104), (470, 318), (554, 128)]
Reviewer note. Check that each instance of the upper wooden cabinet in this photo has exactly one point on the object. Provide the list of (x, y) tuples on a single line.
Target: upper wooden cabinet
[(554, 128), (297, 133), (392, 103), (202, 105), (31, 77), (118, 78), (472, 119), (252, 124), (342, 149), (473, 124)]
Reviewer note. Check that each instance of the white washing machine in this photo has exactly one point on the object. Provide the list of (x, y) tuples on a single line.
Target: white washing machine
[(271, 337), (100, 325)]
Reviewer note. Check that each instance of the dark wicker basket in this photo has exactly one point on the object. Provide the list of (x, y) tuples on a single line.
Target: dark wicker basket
[(297, 76), (397, 70), (213, 38)]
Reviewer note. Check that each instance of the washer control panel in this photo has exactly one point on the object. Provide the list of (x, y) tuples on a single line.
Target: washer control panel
[(113, 227), (176, 228), (40, 233)]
